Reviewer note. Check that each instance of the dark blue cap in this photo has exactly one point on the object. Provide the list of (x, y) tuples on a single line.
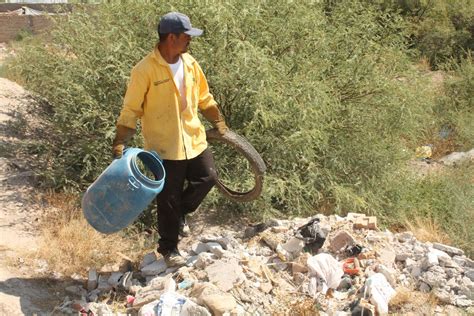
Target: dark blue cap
[(175, 22)]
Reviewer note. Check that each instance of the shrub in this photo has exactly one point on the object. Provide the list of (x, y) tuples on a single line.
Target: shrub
[(324, 91), (454, 109), (440, 30)]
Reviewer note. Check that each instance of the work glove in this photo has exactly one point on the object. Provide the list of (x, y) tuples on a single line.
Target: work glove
[(214, 116), (122, 136)]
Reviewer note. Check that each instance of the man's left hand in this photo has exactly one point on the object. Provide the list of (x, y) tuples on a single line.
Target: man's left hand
[(222, 128)]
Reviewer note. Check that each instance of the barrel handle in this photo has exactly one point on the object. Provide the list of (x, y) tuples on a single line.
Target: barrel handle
[(133, 184)]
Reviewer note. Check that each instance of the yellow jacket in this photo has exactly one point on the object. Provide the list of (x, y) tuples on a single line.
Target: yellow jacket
[(153, 96)]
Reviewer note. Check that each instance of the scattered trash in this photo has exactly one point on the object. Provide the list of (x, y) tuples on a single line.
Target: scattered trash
[(312, 235), (169, 304), (379, 291), (345, 263), (185, 284), (327, 268), (424, 152), (351, 266)]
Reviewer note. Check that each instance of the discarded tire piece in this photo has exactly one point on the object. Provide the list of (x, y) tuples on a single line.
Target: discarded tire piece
[(248, 151)]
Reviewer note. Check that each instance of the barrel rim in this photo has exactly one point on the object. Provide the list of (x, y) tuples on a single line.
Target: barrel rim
[(143, 178)]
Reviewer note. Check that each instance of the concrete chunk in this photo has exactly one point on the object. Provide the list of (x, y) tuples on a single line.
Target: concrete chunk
[(294, 246), (92, 280), (431, 259), (114, 278), (224, 274), (148, 259), (452, 251), (203, 259), (199, 247), (104, 285), (155, 268), (341, 240), (216, 249)]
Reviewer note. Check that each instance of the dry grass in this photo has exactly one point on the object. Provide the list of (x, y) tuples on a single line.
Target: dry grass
[(408, 301), (295, 304), (70, 245), (427, 229)]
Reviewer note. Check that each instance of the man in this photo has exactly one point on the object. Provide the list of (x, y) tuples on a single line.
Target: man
[(165, 91)]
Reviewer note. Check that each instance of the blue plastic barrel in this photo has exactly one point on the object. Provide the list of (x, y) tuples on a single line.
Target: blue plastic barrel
[(122, 191)]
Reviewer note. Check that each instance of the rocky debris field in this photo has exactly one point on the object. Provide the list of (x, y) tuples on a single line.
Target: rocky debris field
[(305, 266)]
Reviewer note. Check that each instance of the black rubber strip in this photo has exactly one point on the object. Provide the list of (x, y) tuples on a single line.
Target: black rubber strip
[(240, 144)]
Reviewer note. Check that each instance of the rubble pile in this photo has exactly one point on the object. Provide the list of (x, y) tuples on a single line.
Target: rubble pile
[(340, 265)]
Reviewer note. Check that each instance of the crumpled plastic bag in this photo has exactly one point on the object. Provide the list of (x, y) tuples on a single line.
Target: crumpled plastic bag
[(328, 269), (312, 235), (169, 304), (379, 291)]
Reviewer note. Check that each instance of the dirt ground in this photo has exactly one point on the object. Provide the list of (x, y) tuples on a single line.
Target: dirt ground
[(22, 290)]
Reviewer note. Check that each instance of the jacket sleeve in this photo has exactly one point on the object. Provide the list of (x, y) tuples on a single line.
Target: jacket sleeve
[(133, 102), (206, 99)]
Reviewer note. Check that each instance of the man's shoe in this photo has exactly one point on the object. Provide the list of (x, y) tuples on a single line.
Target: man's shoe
[(174, 259), (184, 230)]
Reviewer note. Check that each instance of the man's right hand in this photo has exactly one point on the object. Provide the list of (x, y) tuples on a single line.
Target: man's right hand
[(123, 135), (117, 151)]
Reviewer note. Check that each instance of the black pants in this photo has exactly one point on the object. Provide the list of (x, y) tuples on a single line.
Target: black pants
[(174, 202)]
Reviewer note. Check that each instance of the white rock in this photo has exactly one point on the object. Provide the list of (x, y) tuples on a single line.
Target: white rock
[(431, 259), (216, 249), (114, 278), (404, 236), (470, 274), (283, 254), (191, 261), (456, 158), (294, 246), (452, 283), (388, 273), (204, 259), (199, 247), (279, 265), (155, 267), (402, 256), (452, 272), (463, 302), (434, 277), (419, 250), (443, 296), (423, 287), (148, 259), (448, 249), (99, 309), (157, 283), (415, 271), (93, 296), (410, 263), (439, 253), (224, 274), (192, 309), (447, 262), (104, 284)]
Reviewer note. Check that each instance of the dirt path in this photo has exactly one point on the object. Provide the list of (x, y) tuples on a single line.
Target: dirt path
[(21, 291)]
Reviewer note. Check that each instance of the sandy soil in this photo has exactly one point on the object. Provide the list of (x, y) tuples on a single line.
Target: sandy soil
[(22, 291)]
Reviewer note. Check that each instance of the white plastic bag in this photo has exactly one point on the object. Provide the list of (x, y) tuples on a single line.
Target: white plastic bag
[(169, 304), (327, 268), (379, 291)]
